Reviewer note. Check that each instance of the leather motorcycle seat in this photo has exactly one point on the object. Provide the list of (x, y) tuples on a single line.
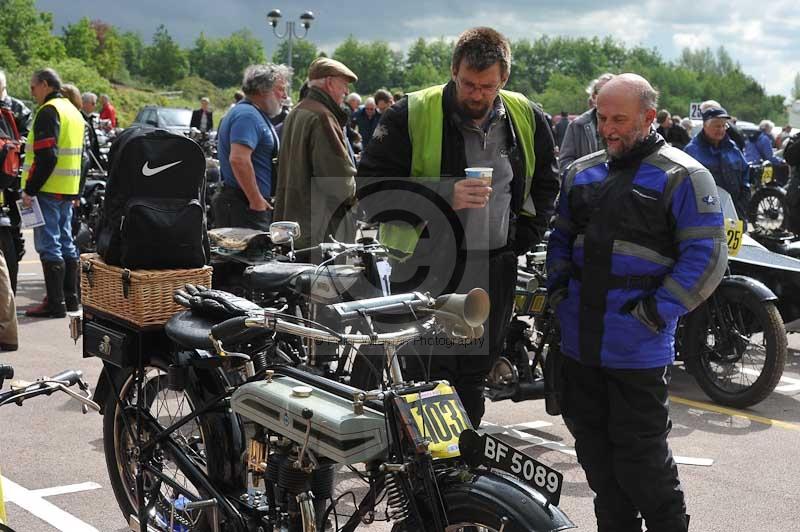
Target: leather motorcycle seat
[(275, 276), (190, 330)]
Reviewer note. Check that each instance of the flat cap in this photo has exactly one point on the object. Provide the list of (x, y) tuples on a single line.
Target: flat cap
[(323, 67)]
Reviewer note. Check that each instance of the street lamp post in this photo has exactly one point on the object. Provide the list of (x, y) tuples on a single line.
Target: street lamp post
[(289, 33)]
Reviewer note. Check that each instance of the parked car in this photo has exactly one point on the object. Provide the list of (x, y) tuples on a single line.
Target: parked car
[(172, 119)]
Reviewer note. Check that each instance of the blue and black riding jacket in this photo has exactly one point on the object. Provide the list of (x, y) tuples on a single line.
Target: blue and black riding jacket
[(638, 242)]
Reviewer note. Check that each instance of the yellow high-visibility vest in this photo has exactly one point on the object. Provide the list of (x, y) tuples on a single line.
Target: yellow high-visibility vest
[(425, 128), (66, 176)]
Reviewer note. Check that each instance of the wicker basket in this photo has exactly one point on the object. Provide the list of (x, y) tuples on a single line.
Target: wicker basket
[(140, 297)]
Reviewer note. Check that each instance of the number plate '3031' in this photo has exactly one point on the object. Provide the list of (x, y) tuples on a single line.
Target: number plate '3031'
[(436, 416)]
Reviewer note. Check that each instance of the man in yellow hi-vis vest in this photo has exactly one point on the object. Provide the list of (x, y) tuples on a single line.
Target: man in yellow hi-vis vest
[(52, 174), (449, 233)]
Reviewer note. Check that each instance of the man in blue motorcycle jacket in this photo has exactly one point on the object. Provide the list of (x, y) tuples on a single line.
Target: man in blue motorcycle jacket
[(638, 242)]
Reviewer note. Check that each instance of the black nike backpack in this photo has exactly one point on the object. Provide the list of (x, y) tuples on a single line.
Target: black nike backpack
[(154, 210)]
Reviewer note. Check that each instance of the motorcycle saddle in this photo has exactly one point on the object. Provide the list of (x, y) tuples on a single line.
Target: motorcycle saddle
[(275, 276), (191, 330), (238, 238)]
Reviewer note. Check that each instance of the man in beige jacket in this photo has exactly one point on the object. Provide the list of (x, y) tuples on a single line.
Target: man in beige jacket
[(316, 167)]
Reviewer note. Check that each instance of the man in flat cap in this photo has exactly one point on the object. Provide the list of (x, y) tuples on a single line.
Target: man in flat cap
[(316, 168)]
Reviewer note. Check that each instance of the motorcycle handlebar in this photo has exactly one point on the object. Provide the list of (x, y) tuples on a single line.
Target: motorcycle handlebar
[(70, 376), (229, 328), (6, 372)]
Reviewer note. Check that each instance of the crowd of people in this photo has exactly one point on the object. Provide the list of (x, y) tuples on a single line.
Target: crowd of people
[(620, 186)]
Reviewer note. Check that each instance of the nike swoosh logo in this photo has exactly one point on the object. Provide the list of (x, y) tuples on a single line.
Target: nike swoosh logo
[(147, 171)]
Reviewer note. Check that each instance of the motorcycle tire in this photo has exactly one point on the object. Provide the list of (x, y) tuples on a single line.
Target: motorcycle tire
[(488, 504), (768, 209), (716, 341), (202, 440)]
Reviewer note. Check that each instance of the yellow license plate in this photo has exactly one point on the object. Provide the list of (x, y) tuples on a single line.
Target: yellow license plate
[(766, 175), (521, 302), (539, 301), (438, 417), (734, 229)]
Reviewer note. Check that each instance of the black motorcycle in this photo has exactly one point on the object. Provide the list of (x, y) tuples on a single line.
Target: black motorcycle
[(768, 207), (202, 432)]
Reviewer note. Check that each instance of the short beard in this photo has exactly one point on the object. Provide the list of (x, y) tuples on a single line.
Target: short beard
[(273, 107), (473, 113), (628, 147)]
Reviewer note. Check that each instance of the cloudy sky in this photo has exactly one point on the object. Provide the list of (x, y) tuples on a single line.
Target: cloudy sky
[(764, 36)]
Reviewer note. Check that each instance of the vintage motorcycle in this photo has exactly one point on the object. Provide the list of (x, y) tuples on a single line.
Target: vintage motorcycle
[(207, 427), (768, 207), (734, 344)]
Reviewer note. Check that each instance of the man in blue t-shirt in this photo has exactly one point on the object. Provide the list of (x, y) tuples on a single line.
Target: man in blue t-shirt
[(247, 146)]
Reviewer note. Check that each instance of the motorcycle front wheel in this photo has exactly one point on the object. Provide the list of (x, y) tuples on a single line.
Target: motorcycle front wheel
[(735, 347), (768, 209)]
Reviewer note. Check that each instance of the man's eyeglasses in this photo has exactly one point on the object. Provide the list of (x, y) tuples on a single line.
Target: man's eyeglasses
[(470, 88)]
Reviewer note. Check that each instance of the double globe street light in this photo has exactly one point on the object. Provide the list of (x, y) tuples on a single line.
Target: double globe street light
[(289, 33)]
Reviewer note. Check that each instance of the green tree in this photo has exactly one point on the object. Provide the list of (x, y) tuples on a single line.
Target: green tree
[(109, 55), (80, 40), (222, 61), (27, 33), (563, 93), (133, 52), (427, 63), (375, 64), (164, 61), (303, 53)]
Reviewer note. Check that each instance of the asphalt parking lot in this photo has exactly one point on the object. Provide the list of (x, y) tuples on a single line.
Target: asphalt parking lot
[(739, 469)]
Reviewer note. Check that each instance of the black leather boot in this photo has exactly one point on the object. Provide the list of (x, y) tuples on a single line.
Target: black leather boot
[(71, 284), (53, 304)]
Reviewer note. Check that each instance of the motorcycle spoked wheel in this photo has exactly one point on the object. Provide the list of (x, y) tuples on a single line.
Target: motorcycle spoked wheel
[(166, 406), (736, 347), (768, 209)]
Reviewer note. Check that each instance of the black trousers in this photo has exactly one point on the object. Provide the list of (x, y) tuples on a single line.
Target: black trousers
[(465, 366), (620, 421), (231, 209)]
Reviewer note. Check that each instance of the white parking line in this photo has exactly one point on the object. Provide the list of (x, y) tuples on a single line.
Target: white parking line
[(33, 502), (516, 431), (793, 385), (63, 490)]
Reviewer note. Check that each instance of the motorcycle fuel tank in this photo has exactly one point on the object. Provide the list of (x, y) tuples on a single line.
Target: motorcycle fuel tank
[(337, 433)]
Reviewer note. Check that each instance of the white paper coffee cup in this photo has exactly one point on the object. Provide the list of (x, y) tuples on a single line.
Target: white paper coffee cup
[(479, 172)]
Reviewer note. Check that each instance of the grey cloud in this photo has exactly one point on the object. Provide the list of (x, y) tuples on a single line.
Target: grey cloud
[(651, 23)]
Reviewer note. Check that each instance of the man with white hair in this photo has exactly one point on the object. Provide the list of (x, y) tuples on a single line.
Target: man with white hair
[(353, 101), (248, 144), (759, 147), (581, 136), (367, 119), (638, 241)]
